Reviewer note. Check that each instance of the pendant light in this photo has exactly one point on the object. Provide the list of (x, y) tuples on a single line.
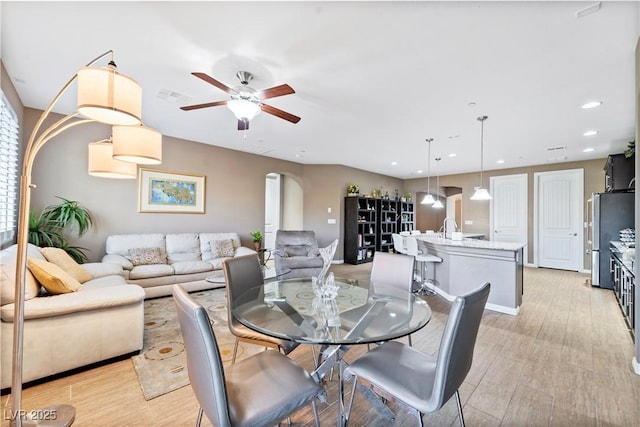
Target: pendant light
[(438, 204), (428, 198), (481, 193)]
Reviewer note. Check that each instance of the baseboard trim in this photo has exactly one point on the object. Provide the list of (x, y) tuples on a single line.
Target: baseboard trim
[(489, 306), (636, 365)]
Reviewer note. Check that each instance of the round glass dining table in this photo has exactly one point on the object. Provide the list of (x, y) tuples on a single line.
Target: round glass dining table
[(289, 309)]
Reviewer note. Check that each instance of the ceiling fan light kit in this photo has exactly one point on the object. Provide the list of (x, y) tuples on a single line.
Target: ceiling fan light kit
[(246, 102), (481, 193)]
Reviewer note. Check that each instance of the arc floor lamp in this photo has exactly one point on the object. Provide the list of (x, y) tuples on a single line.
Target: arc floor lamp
[(104, 96)]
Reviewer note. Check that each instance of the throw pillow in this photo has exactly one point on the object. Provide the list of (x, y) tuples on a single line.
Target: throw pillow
[(297, 250), (63, 260), (146, 256), (222, 248), (54, 279)]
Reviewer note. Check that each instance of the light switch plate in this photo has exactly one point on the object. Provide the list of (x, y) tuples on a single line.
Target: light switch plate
[(468, 222), (331, 221)]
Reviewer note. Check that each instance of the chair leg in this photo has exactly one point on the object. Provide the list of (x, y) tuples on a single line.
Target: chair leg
[(347, 413), (420, 420), (199, 420), (410, 341), (316, 418), (459, 408), (235, 352)]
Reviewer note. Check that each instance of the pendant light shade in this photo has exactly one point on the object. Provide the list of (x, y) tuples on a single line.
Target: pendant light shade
[(103, 165), (137, 144), (438, 204), (428, 198), (108, 96), (244, 109), (481, 193)]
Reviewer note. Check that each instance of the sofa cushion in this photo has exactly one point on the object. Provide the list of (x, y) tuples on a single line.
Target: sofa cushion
[(153, 270), (8, 274), (207, 238), (53, 278), (183, 247), (297, 250), (222, 248), (294, 262), (147, 256), (120, 244), (189, 267), (62, 259)]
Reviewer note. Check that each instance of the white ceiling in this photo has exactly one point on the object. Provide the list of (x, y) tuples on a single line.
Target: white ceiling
[(373, 80)]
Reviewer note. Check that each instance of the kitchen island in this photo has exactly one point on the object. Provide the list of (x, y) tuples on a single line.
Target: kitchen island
[(468, 263)]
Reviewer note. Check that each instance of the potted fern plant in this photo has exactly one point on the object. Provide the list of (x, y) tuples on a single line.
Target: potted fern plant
[(47, 228)]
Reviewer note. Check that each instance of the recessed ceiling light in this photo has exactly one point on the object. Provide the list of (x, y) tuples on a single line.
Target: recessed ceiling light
[(592, 104), (500, 161), (452, 154), (420, 171), (588, 150), (394, 163), (590, 133)]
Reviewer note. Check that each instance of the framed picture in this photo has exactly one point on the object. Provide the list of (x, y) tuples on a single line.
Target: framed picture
[(170, 192)]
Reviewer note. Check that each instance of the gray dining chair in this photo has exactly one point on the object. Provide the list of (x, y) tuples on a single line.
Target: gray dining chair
[(423, 382), (243, 275), (389, 273), (249, 393)]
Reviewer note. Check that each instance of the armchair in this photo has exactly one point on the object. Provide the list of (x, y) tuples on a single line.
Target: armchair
[(296, 254)]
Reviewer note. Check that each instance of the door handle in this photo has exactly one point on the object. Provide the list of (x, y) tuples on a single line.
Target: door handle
[(496, 231), (573, 234)]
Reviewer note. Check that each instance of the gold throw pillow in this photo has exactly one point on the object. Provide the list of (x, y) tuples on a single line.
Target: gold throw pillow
[(63, 260), (54, 279)]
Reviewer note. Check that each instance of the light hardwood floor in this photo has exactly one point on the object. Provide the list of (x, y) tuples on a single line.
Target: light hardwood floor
[(564, 361)]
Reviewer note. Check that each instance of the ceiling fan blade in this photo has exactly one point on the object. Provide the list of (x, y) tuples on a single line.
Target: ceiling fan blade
[(272, 92), (243, 124), (206, 105), (216, 83), (280, 113)]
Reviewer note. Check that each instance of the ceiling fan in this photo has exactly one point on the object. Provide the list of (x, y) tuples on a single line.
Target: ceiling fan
[(245, 101)]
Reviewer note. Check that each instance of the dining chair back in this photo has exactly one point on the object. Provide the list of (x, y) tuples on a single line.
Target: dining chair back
[(427, 383), (398, 243), (391, 271), (228, 398), (243, 277)]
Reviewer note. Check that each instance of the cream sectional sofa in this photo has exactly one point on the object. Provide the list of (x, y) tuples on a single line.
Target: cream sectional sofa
[(187, 259), (102, 320)]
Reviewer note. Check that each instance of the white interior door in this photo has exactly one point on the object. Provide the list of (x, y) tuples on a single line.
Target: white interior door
[(559, 212), (508, 209), (271, 210)]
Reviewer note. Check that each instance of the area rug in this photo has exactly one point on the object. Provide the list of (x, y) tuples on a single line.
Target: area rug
[(162, 365)]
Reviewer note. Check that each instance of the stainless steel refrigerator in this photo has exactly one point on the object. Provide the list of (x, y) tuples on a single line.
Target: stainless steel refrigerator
[(608, 214)]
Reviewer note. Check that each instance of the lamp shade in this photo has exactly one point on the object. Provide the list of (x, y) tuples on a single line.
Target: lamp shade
[(137, 144), (244, 109), (481, 194), (108, 96), (437, 204), (428, 199), (103, 165)]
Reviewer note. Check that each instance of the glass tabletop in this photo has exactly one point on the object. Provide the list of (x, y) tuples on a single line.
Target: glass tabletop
[(289, 309)]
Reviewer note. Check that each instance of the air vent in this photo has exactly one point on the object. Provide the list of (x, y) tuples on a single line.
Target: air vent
[(172, 96), (256, 149), (559, 148), (588, 10)]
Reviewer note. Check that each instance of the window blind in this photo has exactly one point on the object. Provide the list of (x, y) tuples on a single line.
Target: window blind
[(9, 145)]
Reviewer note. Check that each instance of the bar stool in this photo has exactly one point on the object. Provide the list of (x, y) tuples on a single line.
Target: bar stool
[(423, 258), (398, 244)]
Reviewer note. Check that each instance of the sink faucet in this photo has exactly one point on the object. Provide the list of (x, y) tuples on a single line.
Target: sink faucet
[(445, 227)]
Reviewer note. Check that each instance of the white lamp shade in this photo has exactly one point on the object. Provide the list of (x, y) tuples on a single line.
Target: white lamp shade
[(437, 204), (103, 165), (243, 109), (481, 194), (137, 144), (108, 96), (428, 199)]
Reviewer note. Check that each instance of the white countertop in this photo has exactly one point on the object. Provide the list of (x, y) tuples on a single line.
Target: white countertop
[(470, 243)]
